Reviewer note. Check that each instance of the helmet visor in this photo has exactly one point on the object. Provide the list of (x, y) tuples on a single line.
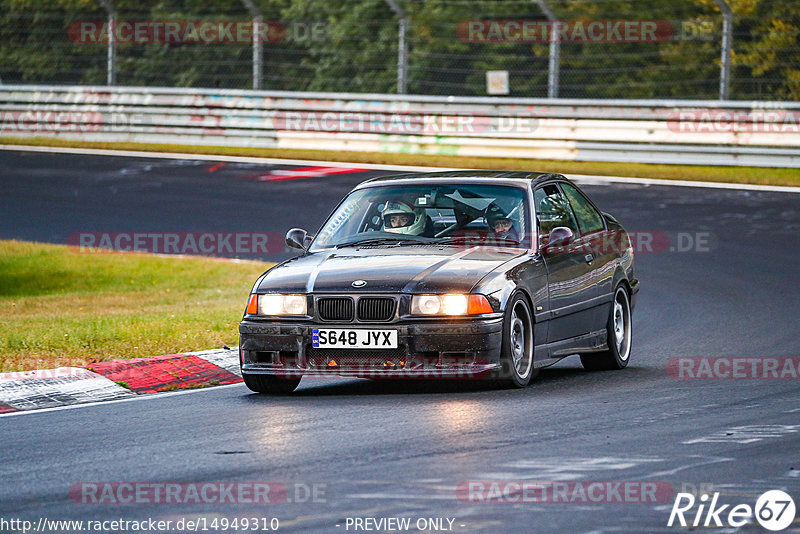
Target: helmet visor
[(398, 215), (398, 220)]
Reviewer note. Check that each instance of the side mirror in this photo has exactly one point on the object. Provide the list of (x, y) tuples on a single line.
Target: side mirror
[(297, 238), (559, 236)]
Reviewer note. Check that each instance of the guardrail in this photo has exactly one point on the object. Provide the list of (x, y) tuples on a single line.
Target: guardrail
[(651, 131)]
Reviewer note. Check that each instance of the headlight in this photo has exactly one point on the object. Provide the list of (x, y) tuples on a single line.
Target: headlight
[(274, 304), (449, 305)]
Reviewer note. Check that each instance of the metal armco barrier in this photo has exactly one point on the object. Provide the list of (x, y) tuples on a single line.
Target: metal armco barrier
[(765, 134)]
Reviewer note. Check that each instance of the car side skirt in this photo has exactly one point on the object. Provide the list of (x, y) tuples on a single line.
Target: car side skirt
[(550, 353)]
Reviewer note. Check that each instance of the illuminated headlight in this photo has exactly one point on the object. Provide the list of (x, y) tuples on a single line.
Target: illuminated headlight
[(449, 305), (273, 304)]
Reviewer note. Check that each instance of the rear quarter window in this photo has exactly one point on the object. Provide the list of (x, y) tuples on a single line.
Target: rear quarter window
[(588, 217)]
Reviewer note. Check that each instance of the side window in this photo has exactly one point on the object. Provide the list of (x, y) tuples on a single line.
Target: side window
[(552, 209), (588, 217)]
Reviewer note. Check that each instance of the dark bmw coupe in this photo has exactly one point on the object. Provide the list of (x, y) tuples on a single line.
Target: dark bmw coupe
[(468, 274)]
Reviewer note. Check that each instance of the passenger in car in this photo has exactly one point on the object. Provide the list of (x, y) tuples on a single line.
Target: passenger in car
[(502, 227)]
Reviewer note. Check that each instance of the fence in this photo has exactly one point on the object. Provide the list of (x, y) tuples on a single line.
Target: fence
[(654, 131), (696, 49)]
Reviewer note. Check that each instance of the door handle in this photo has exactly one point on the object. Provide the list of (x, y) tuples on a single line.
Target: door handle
[(589, 258)]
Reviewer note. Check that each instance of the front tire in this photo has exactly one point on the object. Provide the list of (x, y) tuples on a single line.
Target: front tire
[(516, 355), (619, 330), (269, 384)]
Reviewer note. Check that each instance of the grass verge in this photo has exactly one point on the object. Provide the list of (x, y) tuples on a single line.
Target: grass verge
[(740, 175), (59, 307)]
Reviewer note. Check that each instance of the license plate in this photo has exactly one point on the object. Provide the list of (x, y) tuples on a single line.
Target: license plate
[(334, 338)]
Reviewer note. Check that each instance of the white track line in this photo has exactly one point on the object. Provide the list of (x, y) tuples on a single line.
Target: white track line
[(592, 179), (212, 157), (585, 178), (130, 399), (23, 390)]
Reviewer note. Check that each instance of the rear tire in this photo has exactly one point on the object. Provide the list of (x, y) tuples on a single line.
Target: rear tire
[(619, 330), (516, 354), (270, 384)]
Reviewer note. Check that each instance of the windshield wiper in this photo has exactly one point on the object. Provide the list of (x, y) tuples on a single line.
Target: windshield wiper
[(379, 241)]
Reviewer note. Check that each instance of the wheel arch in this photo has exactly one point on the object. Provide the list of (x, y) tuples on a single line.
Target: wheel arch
[(620, 277), (513, 290), (501, 289), (528, 300)]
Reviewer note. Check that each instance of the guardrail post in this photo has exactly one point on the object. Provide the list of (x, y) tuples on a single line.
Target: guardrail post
[(258, 44), (402, 47), (727, 41), (554, 62), (111, 63)]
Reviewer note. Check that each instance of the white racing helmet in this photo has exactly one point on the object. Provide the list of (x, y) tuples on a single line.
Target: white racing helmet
[(415, 218)]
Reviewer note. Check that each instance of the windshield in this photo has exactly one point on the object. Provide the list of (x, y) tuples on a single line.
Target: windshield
[(400, 215)]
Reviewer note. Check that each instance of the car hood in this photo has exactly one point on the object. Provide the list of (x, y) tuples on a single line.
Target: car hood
[(406, 269)]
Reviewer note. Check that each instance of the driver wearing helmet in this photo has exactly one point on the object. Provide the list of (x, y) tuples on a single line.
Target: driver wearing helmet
[(499, 223), (401, 218)]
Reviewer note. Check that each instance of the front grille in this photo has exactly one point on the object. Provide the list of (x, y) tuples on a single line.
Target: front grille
[(335, 309), (360, 358), (375, 308)]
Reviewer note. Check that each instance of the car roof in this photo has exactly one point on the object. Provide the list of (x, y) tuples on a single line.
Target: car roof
[(470, 176)]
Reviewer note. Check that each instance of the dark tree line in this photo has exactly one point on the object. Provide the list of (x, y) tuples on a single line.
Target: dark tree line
[(351, 46)]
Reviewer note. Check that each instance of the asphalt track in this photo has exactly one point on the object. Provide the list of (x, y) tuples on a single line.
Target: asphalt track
[(400, 449)]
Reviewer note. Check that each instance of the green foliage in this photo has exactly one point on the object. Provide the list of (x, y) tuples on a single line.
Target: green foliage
[(354, 48), (773, 57)]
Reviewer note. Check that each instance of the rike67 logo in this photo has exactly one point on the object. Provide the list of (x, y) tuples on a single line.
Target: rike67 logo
[(774, 510)]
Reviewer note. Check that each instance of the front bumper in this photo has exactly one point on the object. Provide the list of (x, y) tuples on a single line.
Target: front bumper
[(468, 348)]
